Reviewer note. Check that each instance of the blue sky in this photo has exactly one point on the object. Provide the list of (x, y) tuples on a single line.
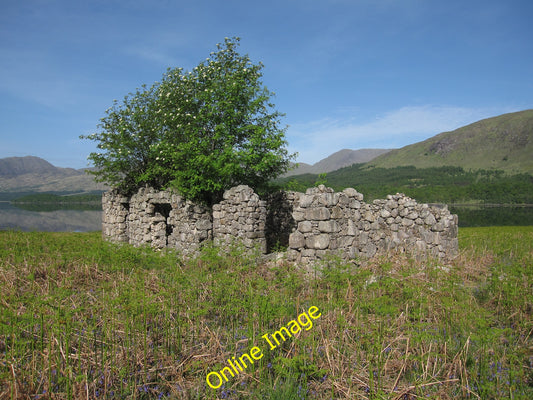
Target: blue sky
[(347, 73)]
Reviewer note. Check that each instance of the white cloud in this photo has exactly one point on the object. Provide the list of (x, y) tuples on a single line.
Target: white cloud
[(397, 128)]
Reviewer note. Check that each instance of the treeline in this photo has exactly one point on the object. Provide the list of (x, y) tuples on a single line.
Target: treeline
[(53, 202), (429, 185), (50, 198)]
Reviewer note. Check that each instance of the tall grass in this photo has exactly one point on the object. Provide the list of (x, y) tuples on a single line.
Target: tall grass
[(81, 318)]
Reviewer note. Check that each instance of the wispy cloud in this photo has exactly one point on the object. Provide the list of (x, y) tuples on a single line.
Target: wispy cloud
[(159, 48), (397, 128)]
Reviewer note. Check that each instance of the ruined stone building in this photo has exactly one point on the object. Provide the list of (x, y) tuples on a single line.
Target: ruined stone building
[(308, 225)]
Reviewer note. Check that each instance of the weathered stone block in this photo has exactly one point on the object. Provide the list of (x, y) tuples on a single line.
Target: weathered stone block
[(337, 213), (328, 226), (412, 215), (355, 204), (438, 227), (352, 229), (317, 214), (319, 242), (298, 216), (329, 199), (407, 222), (350, 192), (296, 240), (204, 224), (305, 226), (345, 241), (384, 213), (306, 200), (369, 216)]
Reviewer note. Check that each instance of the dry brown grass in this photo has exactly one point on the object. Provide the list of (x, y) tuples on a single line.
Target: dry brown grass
[(98, 321)]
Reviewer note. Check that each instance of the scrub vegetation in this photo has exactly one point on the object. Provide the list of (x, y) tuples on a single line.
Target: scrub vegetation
[(85, 319)]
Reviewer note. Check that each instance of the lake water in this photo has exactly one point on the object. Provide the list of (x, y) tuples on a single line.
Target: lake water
[(62, 220), (50, 220)]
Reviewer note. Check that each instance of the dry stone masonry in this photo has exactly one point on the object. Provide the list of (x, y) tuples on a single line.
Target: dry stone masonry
[(342, 224), (240, 217), (309, 225), (159, 218)]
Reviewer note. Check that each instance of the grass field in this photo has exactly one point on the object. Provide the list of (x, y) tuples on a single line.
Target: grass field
[(81, 318)]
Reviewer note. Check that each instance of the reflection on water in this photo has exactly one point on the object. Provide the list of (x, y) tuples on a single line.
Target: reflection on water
[(57, 220), (68, 220)]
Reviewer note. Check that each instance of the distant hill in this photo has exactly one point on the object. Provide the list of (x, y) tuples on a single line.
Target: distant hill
[(446, 184), (502, 143), (16, 166), (340, 159), (499, 143), (33, 174)]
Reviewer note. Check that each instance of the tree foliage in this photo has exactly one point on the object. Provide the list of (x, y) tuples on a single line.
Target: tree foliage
[(201, 131)]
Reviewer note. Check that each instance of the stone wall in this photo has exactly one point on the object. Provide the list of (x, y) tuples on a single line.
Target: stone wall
[(342, 224), (158, 218), (240, 217), (310, 225)]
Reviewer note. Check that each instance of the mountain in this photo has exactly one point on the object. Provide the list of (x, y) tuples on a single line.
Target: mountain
[(499, 143), (503, 143), (33, 174), (340, 159), (15, 166)]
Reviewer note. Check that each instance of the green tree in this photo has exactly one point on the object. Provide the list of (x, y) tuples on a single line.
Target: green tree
[(201, 131)]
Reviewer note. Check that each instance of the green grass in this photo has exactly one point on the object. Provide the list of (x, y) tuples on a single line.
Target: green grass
[(82, 318)]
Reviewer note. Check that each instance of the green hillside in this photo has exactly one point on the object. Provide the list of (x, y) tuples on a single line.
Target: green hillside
[(432, 185), (501, 143)]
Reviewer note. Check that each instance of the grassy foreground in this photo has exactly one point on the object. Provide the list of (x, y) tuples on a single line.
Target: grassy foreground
[(84, 319)]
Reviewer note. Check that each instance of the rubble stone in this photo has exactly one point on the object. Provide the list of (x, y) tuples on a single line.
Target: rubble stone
[(310, 225)]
